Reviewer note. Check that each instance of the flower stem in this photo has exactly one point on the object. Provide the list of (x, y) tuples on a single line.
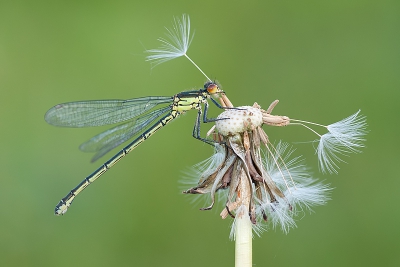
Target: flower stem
[(243, 238)]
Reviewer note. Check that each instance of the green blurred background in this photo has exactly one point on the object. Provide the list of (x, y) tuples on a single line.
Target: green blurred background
[(323, 60)]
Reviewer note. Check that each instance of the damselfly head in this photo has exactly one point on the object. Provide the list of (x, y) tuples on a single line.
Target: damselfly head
[(212, 88)]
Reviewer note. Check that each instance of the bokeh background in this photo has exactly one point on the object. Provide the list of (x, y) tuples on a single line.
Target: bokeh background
[(323, 60)]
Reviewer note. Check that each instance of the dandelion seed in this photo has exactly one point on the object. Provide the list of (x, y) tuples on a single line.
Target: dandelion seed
[(343, 137), (175, 45)]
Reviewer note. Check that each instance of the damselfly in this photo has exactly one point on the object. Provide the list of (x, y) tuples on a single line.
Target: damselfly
[(136, 117)]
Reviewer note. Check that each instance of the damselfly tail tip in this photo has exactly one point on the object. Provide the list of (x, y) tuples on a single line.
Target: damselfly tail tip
[(61, 208)]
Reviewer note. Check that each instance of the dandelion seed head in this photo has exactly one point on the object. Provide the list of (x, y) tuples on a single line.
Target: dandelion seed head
[(238, 120), (271, 182)]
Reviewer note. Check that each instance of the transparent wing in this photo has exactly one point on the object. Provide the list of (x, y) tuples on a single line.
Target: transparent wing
[(108, 140), (101, 112)]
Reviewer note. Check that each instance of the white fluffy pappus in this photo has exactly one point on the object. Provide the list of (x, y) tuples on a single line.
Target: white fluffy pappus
[(176, 45), (343, 137), (294, 179)]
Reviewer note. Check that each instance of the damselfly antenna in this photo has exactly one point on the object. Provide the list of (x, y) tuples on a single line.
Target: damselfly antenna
[(176, 45)]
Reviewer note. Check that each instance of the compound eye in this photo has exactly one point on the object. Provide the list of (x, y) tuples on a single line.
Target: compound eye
[(212, 88)]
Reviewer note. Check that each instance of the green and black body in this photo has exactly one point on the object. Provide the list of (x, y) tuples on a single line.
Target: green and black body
[(135, 117)]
